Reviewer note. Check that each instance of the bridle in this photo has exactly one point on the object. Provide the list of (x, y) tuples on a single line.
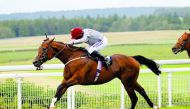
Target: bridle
[(185, 42), (45, 54)]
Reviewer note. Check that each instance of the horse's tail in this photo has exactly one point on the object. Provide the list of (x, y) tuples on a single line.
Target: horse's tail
[(149, 63)]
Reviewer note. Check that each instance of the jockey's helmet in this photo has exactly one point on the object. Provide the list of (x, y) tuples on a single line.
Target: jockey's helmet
[(76, 33)]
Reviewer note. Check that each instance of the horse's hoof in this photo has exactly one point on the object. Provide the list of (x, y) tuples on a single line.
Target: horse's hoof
[(51, 107), (155, 107)]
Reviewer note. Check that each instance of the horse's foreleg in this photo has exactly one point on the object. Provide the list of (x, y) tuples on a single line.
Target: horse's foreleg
[(61, 89)]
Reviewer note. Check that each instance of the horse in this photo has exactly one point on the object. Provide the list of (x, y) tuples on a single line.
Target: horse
[(183, 43), (80, 69)]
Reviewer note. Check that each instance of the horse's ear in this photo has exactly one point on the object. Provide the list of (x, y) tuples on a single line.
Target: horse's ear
[(46, 38), (46, 35), (51, 40), (189, 31)]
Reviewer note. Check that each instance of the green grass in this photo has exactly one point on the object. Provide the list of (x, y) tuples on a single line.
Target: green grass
[(177, 107), (148, 81), (10, 57), (114, 38), (153, 51), (153, 44), (174, 107)]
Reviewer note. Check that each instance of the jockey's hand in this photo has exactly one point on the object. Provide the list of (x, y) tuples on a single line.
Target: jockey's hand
[(71, 42)]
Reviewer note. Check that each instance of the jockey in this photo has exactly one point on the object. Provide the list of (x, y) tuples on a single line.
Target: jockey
[(93, 38)]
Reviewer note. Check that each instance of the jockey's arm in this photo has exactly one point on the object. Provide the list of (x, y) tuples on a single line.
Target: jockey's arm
[(81, 40)]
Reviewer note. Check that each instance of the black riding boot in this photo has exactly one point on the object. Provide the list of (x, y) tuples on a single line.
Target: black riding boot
[(99, 56)]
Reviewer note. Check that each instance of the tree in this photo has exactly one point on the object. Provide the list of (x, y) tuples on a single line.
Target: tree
[(6, 32)]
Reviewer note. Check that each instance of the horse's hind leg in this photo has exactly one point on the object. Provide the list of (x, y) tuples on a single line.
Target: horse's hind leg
[(141, 90), (129, 87)]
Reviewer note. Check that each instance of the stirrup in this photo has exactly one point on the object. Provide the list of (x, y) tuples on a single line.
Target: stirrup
[(108, 60)]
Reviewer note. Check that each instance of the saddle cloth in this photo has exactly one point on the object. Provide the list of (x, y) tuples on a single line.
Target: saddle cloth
[(98, 70)]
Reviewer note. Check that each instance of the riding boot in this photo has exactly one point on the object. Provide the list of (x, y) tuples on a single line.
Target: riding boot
[(99, 56)]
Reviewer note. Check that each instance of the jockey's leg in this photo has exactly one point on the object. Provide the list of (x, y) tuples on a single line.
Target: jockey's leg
[(96, 47), (98, 55), (102, 58), (106, 60)]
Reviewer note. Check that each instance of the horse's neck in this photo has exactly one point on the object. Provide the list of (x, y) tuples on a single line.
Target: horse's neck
[(67, 52), (60, 48), (188, 46), (188, 52)]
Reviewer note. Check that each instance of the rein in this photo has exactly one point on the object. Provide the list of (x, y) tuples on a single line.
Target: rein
[(45, 57), (65, 45), (60, 51), (69, 60)]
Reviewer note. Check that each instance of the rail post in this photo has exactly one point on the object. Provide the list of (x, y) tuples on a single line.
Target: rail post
[(159, 91), (169, 89), (73, 97), (69, 98), (19, 92), (122, 97)]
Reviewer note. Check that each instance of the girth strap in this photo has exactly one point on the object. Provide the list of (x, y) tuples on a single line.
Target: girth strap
[(74, 60)]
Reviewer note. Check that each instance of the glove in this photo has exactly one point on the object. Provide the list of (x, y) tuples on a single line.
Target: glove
[(71, 42)]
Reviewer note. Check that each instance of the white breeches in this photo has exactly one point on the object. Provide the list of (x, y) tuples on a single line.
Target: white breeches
[(98, 45)]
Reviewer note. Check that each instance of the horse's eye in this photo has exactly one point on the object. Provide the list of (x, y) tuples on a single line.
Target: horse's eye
[(185, 40), (44, 49)]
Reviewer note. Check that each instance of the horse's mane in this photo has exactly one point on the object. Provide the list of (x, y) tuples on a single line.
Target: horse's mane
[(73, 48)]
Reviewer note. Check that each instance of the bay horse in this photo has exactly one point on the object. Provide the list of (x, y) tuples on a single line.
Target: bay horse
[(183, 43), (80, 69)]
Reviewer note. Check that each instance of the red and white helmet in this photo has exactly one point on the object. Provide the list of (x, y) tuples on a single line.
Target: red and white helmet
[(76, 33)]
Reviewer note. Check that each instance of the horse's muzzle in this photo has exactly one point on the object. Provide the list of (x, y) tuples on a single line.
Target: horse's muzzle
[(176, 50), (37, 63)]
